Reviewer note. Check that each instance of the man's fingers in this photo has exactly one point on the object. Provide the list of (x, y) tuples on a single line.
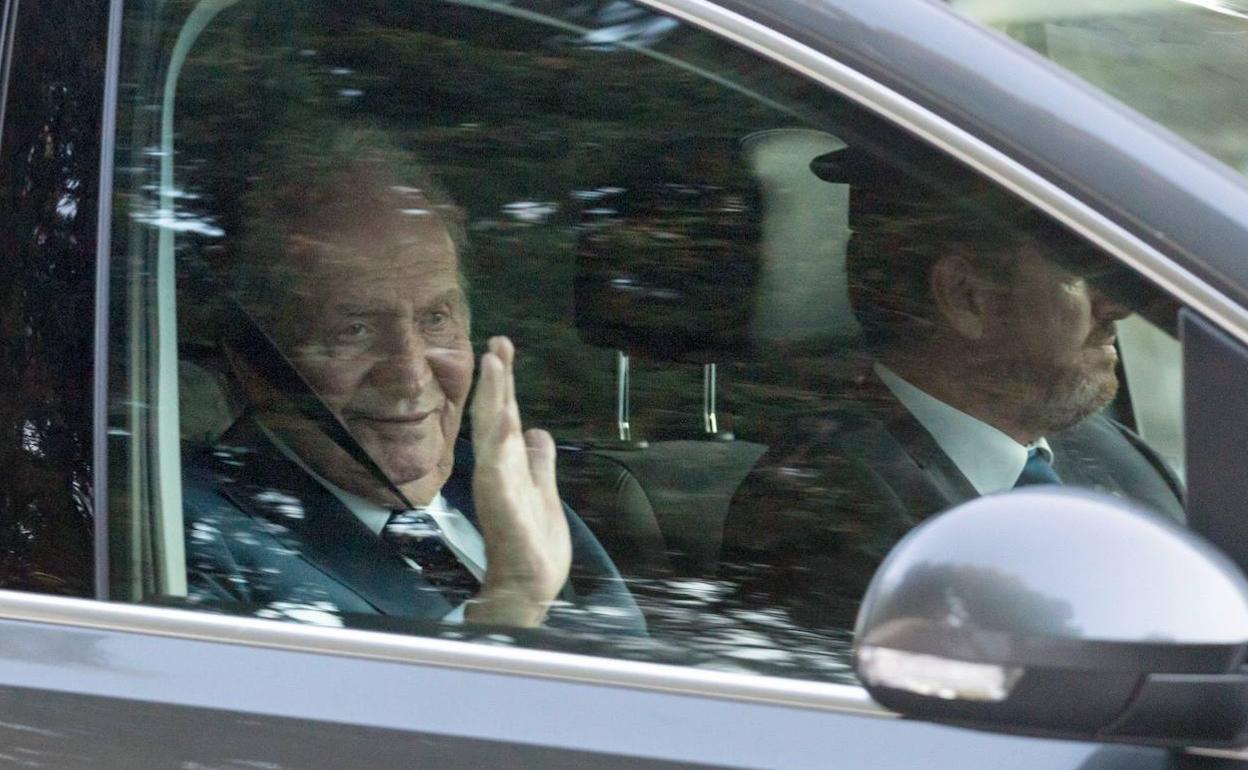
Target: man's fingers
[(487, 402), (503, 348), (516, 496), (541, 451)]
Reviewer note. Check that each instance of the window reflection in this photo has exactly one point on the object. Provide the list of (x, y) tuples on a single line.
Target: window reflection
[(768, 332)]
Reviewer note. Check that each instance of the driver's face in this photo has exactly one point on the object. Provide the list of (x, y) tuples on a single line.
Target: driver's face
[(1053, 338), (383, 338)]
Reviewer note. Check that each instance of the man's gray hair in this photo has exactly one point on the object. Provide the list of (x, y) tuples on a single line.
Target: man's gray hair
[(317, 193)]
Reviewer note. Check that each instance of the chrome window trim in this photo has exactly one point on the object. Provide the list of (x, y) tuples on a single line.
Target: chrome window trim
[(1232, 754), (103, 283), (974, 152), (442, 653), (8, 36)]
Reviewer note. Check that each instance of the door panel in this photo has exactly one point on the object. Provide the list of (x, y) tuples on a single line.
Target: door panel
[(77, 697)]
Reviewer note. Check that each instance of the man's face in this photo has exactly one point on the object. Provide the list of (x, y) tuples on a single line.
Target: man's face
[(1053, 337), (380, 330)]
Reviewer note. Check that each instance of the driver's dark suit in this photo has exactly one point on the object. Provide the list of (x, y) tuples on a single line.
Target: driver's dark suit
[(812, 522)]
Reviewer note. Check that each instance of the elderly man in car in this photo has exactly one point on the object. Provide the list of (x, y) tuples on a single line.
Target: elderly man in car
[(345, 485)]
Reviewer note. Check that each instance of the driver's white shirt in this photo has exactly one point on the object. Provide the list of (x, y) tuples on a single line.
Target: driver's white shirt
[(988, 458)]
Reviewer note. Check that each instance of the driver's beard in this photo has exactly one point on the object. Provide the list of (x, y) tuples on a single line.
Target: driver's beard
[(1043, 399)]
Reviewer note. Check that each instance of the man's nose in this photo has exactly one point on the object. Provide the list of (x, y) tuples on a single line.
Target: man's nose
[(1106, 308), (404, 362)]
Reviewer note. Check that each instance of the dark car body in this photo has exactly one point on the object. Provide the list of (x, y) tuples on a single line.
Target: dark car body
[(88, 682)]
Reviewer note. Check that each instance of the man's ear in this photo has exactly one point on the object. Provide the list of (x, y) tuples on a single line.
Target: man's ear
[(962, 296), (256, 390)]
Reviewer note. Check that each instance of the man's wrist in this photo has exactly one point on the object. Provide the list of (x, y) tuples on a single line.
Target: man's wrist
[(506, 607)]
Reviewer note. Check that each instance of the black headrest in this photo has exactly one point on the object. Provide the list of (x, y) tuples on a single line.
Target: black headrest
[(668, 254)]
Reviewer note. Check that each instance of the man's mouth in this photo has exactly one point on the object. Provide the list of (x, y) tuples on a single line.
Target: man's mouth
[(410, 418), (1103, 340)]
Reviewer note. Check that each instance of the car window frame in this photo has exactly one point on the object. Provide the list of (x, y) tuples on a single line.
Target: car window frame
[(831, 73), (103, 285)]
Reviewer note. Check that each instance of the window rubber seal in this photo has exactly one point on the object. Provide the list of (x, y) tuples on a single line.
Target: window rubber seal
[(8, 34), (103, 250)]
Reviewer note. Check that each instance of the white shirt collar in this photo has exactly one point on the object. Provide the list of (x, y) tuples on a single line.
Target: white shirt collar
[(461, 536), (990, 460)]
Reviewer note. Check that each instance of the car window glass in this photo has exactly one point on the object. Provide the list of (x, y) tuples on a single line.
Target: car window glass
[(767, 331)]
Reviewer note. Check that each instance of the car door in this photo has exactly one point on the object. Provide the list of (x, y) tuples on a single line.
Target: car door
[(119, 679)]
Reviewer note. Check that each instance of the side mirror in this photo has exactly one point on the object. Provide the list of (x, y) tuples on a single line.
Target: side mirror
[(1060, 612)]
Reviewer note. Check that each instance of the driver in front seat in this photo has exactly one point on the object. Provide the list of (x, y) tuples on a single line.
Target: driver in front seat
[(990, 341)]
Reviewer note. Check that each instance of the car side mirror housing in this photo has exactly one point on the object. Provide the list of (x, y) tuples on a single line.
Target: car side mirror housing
[(1060, 612)]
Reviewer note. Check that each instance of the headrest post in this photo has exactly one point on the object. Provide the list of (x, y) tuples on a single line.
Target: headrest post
[(621, 396), (710, 422)]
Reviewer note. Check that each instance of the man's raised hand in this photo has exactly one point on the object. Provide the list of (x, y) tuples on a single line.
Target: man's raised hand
[(527, 546)]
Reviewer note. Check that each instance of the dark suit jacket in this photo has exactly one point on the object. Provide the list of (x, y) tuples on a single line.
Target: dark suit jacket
[(813, 521), (263, 533)]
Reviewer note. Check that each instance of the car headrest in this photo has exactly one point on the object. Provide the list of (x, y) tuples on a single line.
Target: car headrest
[(205, 411), (711, 249), (804, 296)]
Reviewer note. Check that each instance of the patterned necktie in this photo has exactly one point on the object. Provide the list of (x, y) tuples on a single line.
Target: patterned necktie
[(1038, 470), (418, 537)]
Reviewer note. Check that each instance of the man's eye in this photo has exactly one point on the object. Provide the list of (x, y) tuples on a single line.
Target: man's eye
[(438, 319), (353, 331)]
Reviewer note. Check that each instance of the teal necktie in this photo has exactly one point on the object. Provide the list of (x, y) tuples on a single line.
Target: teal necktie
[(1038, 470)]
